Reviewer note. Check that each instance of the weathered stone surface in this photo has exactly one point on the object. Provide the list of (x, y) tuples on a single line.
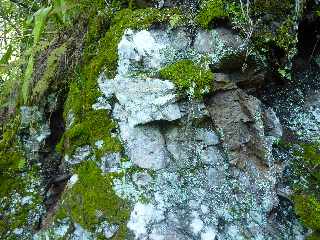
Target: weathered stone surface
[(81, 154), (110, 162), (143, 100), (215, 175), (217, 41), (144, 145), (240, 118), (109, 230)]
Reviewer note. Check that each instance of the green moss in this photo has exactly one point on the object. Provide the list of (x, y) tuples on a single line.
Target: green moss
[(306, 199), (101, 54), (11, 154), (310, 153), (51, 68), (93, 192), (17, 179), (271, 26), (96, 125), (308, 209), (107, 54), (210, 10), (22, 185), (40, 18), (189, 76), (276, 10)]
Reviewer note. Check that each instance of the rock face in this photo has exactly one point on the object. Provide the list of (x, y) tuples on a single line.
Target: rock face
[(297, 104), (213, 173)]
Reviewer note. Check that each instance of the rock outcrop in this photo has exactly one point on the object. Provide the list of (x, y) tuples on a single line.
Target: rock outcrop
[(213, 173)]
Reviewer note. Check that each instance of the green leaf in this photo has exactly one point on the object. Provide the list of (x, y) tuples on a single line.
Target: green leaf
[(6, 57), (60, 7), (40, 18), (27, 76)]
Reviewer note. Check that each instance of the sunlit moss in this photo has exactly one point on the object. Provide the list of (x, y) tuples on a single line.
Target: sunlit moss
[(189, 76), (48, 75), (210, 10), (96, 125), (92, 194), (308, 209)]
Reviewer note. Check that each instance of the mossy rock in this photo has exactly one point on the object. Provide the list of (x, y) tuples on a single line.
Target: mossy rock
[(93, 194), (96, 125)]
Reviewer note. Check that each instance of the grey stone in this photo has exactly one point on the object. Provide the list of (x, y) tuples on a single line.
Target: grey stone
[(110, 162), (81, 233), (272, 124), (208, 41), (208, 137), (108, 230), (145, 146), (101, 103), (33, 123), (70, 119), (81, 154)]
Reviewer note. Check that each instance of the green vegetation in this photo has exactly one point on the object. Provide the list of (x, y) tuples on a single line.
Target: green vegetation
[(95, 126), (122, 20), (307, 196), (39, 21), (17, 180), (101, 54), (16, 211), (210, 10), (92, 193), (49, 36), (51, 68), (308, 209), (11, 155), (189, 76), (268, 25)]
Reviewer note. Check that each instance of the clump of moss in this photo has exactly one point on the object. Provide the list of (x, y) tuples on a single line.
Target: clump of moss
[(92, 199), (95, 126), (276, 10), (311, 153), (20, 203), (101, 54), (271, 27), (189, 76), (17, 181), (308, 209), (306, 199), (51, 68), (11, 154), (210, 10), (314, 236)]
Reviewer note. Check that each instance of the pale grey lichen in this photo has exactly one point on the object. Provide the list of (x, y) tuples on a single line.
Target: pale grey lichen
[(194, 188)]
